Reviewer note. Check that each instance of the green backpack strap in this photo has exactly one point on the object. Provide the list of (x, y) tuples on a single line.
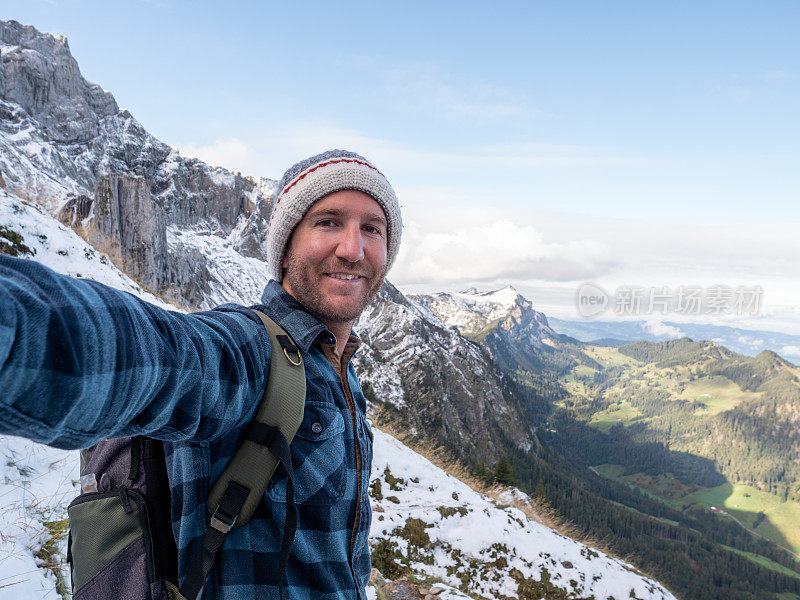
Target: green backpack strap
[(237, 492)]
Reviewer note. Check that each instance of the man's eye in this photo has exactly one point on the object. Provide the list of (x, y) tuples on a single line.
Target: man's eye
[(326, 223), (372, 229)]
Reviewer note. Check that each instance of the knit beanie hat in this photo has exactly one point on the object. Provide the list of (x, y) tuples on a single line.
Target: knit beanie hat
[(313, 178)]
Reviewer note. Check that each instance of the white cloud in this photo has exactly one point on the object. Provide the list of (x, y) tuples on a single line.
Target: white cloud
[(778, 75), (791, 352), (751, 342), (658, 328), (444, 252), (231, 153)]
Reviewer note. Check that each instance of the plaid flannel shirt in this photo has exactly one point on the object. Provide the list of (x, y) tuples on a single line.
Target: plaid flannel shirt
[(80, 362)]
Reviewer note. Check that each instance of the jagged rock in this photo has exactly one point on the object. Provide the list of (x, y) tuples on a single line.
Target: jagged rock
[(125, 214), (432, 381), (61, 137), (376, 578), (402, 589), (48, 85)]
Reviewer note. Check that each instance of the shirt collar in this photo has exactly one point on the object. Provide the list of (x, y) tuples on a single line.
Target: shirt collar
[(287, 312)]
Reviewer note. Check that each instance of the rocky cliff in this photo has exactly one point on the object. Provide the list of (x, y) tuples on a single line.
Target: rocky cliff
[(505, 323), (437, 384), (65, 144)]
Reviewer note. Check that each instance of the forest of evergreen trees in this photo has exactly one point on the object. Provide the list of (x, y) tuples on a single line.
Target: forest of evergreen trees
[(684, 549)]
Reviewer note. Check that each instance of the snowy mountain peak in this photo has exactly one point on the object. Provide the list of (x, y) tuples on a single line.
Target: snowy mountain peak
[(66, 145), (39, 74), (475, 312), (507, 296)]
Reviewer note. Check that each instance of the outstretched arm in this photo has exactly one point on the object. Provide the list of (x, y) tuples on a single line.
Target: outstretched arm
[(80, 362)]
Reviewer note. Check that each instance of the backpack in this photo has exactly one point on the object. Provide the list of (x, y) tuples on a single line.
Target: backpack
[(120, 542)]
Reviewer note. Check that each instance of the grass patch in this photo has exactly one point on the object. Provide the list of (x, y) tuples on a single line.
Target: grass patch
[(610, 357), (49, 556), (742, 502), (621, 412), (764, 561), (717, 393), (12, 243), (584, 371)]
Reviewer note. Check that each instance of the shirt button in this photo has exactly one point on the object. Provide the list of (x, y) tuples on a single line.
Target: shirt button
[(316, 427)]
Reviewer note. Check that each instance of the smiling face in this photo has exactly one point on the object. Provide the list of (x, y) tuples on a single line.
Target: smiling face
[(335, 261)]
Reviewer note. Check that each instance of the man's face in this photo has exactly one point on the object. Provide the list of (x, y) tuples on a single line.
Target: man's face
[(336, 258)]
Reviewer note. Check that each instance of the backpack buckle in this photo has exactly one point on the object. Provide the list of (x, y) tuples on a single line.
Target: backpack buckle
[(222, 522), (288, 346)]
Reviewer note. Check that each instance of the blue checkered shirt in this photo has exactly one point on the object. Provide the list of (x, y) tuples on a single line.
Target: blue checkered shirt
[(80, 362)]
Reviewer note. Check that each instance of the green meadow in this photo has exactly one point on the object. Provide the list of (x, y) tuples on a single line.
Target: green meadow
[(621, 412), (717, 393), (744, 503)]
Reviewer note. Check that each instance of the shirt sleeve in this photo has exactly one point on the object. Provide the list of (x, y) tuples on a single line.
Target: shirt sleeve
[(80, 362)]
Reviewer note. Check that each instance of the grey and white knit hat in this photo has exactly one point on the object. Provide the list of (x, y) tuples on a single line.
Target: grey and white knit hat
[(312, 179)]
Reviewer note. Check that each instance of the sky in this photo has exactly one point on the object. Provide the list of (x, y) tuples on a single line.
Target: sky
[(542, 145)]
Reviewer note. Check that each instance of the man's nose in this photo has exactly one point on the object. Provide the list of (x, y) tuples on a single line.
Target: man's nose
[(351, 247)]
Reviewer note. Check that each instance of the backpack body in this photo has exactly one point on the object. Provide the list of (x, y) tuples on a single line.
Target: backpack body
[(121, 544), (121, 533)]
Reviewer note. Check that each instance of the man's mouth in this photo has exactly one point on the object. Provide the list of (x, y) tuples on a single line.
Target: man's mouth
[(344, 276)]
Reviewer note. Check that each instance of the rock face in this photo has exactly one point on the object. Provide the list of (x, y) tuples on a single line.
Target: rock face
[(504, 322), (65, 144), (40, 75), (435, 383), (124, 213)]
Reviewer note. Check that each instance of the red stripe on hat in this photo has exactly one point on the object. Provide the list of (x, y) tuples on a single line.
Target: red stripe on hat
[(311, 170)]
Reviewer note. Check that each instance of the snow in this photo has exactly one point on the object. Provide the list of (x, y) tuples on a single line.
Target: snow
[(506, 297), (36, 485), (470, 311), (472, 542), (233, 277), (58, 247)]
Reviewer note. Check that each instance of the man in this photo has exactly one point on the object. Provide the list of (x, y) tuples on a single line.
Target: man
[(80, 362)]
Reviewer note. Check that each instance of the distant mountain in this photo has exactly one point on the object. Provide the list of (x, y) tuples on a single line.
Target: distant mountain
[(517, 337), (744, 341), (693, 404)]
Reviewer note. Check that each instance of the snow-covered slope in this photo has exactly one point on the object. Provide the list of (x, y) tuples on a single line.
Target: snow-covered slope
[(36, 485), (471, 311), (440, 528)]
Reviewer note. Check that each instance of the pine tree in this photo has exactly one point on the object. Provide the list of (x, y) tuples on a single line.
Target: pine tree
[(504, 472)]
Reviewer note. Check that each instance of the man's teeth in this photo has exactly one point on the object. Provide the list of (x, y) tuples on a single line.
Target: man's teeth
[(343, 276)]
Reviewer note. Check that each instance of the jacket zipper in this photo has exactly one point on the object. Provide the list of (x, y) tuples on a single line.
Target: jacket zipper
[(351, 405)]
